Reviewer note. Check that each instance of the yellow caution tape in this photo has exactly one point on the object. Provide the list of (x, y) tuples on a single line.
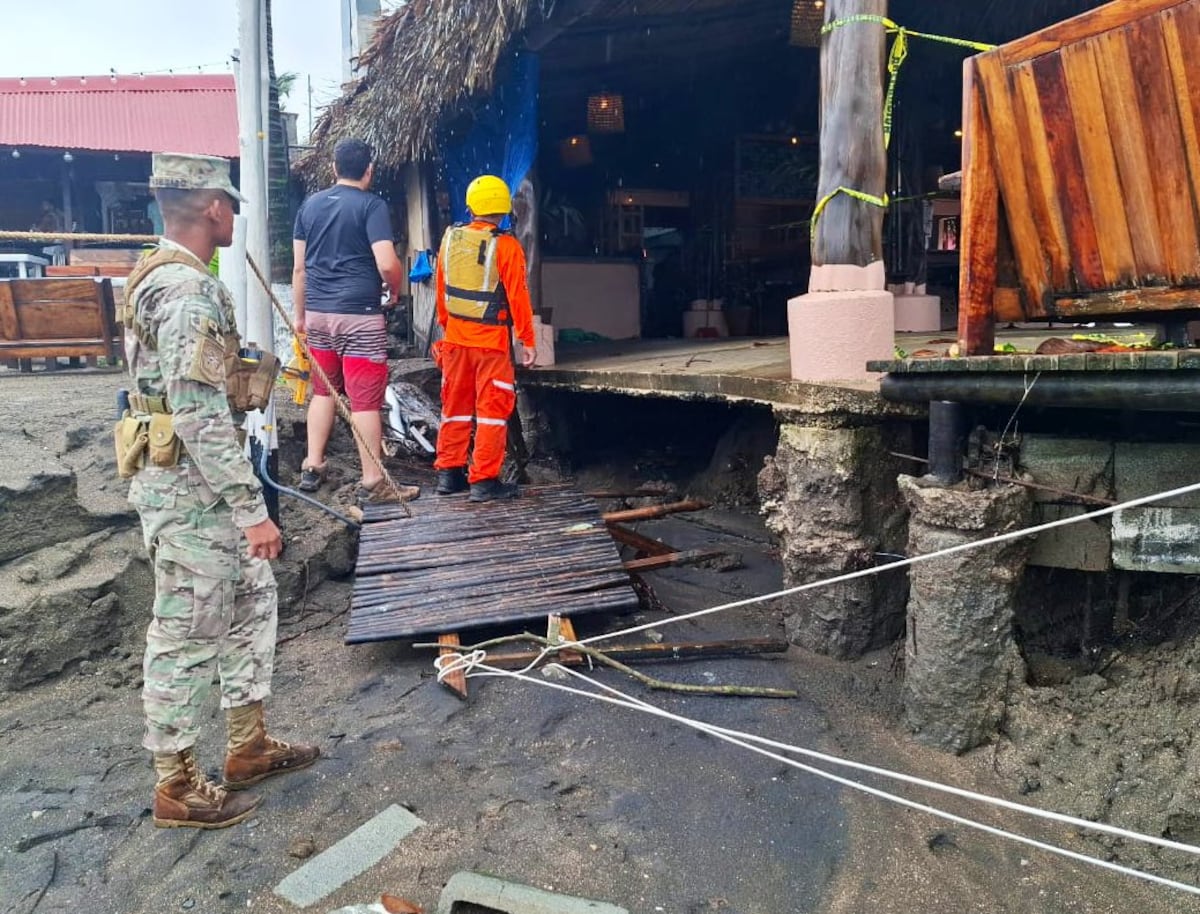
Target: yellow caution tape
[(898, 55), (896, 58), (849, 192)]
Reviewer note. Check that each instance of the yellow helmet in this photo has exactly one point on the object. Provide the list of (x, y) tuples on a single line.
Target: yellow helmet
[(487, 195)]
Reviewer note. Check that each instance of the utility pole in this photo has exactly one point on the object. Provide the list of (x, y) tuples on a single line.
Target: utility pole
[(309, 131), (253, 87)]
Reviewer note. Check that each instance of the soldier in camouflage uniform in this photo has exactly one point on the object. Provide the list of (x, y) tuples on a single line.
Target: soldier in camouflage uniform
[(203, 516)]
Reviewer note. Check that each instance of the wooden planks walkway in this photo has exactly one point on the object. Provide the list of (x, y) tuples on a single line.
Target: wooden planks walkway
[(455, 565)]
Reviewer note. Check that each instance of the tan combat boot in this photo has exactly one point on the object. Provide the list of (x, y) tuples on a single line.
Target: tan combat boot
[(185, 798), (252, 755)]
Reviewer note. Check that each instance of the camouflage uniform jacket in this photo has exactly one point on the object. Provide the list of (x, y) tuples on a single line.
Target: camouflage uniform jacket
[(175, 350)]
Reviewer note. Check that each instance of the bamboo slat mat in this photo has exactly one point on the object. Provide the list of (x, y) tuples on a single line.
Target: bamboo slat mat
[(455, 565)]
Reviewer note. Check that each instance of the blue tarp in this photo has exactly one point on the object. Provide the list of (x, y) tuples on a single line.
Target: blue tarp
[(503, 139)]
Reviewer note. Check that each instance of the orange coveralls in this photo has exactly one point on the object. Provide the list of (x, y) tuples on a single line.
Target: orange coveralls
[(477, 369)]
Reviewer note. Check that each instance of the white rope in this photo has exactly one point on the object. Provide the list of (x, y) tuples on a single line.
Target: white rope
[(477, 660), (880, 569), (474, 666), (866, 572)]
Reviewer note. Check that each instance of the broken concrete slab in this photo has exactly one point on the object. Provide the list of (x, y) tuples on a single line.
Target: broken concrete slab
[(354, 854), (1157, 539), (477, 893), (1081, 465), (1083, 546)]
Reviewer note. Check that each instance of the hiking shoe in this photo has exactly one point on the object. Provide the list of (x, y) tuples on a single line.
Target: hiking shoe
[(492, 489), (380, 494), (311, 478), (452, 481)]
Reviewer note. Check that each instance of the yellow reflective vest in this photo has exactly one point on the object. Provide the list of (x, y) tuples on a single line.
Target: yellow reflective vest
[(474, 291)]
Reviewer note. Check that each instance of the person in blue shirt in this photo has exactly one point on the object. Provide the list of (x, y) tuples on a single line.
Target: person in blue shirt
[(344, 257)]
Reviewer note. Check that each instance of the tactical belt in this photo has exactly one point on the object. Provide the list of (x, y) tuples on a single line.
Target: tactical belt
[(140, 403)]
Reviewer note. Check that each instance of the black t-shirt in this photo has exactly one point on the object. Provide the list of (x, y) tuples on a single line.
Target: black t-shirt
[(338, 226)]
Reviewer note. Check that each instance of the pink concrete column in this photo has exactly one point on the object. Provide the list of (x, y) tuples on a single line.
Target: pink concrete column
[(846, 320)]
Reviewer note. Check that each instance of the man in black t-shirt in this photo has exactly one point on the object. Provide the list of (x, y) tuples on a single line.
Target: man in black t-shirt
[(344, 256)]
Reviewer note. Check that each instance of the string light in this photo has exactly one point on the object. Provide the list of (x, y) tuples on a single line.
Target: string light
[(113, 73)]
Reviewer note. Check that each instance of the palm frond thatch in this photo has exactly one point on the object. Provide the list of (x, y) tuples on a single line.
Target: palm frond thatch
[(424, 60)]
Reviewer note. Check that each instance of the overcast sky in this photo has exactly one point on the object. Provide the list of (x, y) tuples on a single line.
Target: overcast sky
[(89, 37)]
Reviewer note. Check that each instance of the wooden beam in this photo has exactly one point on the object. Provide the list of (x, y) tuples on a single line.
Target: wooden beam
[(672, 558), (643, 544), (1108, 18), (1126, 301), (10, 324), (654, 511), (456, 682), (980, 224), (650, 653), (32, 349), (559, 628)]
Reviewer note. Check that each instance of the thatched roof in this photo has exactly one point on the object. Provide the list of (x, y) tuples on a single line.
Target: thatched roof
[(431, 57), (425, 59)]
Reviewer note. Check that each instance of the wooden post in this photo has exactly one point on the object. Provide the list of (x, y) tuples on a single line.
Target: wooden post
[(979, 233), (526, 228), (850, 231), (423, 311)]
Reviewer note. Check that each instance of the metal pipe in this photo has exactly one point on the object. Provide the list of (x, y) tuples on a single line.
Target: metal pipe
[(1151, 391), (946, 422)]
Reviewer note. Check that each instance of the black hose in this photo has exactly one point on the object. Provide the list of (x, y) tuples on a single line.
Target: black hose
[(264, 453)]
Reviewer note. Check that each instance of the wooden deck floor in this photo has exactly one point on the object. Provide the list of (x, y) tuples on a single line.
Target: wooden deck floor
[(454, 565), (743, 368)]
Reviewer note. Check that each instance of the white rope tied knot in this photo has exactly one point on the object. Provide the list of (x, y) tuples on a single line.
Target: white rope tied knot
[(446, 664)]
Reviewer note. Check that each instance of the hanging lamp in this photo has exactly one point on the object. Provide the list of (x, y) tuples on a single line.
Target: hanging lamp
[(606, 112), (808, 17)]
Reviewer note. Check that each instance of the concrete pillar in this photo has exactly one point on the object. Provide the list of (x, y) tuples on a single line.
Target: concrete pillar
[(846, 320), (830, 496), (961, 658)]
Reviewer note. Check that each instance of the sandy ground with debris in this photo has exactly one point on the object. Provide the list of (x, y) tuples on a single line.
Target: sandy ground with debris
[(541, 787)]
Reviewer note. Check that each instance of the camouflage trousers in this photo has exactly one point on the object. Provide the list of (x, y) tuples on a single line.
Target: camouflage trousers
[(215, 610)]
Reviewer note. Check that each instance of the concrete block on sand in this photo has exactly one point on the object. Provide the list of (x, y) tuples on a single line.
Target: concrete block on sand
[(512, 898), (357, 852)]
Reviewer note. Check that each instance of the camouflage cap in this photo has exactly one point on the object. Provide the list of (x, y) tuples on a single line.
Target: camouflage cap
[(184, 171)]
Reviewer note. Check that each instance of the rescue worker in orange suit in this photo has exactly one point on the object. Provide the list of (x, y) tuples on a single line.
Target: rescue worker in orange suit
[(482, 292)]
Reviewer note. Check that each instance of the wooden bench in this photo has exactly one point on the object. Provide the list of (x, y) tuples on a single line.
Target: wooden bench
[(54, 318)]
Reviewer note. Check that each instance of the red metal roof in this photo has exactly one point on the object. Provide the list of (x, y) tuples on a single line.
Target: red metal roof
[(122, 113)]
